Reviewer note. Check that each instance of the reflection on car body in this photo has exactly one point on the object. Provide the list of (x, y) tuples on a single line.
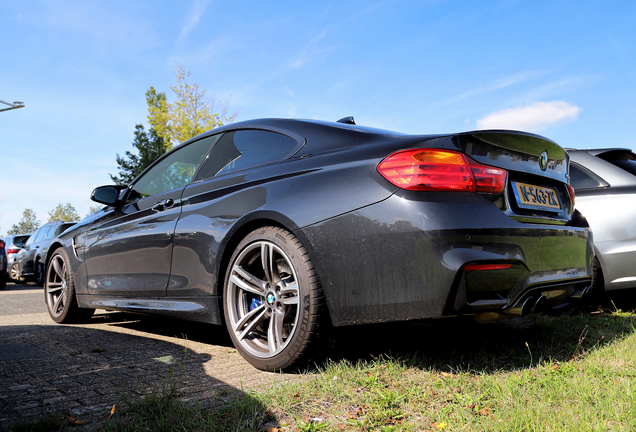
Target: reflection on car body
[(281, 228), (29, 262)]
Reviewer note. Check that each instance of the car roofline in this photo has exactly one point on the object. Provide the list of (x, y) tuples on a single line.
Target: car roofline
[(596, 152)]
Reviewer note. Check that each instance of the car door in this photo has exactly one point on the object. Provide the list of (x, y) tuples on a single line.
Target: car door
[(128, 250), (27, 255), (224, 190)]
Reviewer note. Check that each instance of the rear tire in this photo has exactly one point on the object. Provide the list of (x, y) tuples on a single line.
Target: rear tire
[(39, 274), (59, 291), (596, 295), (272, 300)]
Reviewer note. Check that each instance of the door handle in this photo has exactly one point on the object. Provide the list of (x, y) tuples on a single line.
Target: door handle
[(162, 205)]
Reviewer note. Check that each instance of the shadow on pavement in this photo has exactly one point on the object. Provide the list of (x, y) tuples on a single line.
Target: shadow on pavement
[(194, 331), (83, 371)]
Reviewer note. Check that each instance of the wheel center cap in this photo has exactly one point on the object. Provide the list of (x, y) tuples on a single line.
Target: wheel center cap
[(270, 299)]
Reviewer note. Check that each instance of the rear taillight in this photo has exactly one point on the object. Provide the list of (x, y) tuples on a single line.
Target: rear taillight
[(2, 243), (441, 170), (10, 251), (477, 267), (571, 192)]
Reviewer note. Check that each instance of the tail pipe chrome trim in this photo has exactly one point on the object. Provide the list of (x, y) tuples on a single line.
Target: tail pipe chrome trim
[(580, 294), (527, 306)]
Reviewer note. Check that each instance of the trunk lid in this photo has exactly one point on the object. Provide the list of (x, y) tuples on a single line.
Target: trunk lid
[(537, 168)]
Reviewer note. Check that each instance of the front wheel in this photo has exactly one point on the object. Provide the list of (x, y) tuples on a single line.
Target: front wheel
[(272, 300), (59, 291)]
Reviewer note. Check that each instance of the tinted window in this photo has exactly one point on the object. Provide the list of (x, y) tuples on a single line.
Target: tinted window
[(172, 172), (50, 233), (622, 159), (581, 178), (40, 234), (20, 240), (244, 149), (64, 227), (32, 238)]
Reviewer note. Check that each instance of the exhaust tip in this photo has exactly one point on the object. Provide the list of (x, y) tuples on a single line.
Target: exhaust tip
[(522, 308), (539, 305), (580, 294)]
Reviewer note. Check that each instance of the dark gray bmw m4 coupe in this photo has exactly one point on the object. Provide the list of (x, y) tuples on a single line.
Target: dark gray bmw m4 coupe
[(279, 229)]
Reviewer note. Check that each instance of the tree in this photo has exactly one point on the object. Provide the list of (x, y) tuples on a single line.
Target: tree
[(149, 147), (64, 213), (94, 208), (27, 224), (170, 124), (191, 114)]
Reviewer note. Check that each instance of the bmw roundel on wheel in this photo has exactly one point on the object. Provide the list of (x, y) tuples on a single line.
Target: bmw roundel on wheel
[(278, 229)]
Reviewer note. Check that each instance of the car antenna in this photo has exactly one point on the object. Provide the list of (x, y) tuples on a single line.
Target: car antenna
[(347, 120)]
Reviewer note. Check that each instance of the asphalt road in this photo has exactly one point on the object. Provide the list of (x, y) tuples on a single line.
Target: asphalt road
[(79, 369)]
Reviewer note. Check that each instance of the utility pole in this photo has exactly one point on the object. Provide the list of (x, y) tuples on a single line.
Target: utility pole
[(13, 105)]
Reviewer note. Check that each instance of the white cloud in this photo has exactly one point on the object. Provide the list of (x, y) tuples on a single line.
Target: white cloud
[(498, 85), (532, 118), (193, 19)]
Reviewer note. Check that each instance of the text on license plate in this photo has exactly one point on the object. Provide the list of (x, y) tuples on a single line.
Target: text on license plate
[(536, 196)]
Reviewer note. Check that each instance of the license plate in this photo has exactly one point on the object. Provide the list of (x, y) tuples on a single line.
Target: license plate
[(531, 196)]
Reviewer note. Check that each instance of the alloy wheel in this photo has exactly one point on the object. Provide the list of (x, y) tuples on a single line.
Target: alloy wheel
[(14, 273), (262, 299), (56, 286)]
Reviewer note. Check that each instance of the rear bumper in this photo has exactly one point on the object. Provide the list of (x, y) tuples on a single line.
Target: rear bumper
[(406, 258)]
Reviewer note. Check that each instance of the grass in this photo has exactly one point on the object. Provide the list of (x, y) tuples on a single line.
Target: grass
[(542, 373), (575, 373)]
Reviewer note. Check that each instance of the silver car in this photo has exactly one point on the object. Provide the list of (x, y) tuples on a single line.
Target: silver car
[(14, 244), (605, 184)]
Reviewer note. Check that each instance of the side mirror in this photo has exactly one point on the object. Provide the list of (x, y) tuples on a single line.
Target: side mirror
[(107, 194)]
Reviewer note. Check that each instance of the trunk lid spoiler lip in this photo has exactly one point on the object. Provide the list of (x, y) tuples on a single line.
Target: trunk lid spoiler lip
[(515, 151)]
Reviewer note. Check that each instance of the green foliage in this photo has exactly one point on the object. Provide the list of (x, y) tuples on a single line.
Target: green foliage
[(27, 224), (50, 422), (149, 147), (158, 407), (94, 208), (64, 213), (582, 378), (170, 124), (191, 114)]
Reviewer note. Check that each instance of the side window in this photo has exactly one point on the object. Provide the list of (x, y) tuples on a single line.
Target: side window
[(244, 149), (31, 239), (582, 179), (40, 234), (174, 171), (50, 233)]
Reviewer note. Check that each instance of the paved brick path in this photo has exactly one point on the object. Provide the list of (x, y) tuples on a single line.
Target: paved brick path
[(46, 367)]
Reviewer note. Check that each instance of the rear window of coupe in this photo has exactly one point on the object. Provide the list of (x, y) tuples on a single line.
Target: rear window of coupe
[(238, 150)]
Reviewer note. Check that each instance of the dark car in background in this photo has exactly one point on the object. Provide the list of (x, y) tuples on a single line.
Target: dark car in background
[(281, 228), (29, 262), (605, 184), (14, 244), (3, 265)]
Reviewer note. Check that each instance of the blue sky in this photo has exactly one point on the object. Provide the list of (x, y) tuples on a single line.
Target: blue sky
[(563, 69)]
